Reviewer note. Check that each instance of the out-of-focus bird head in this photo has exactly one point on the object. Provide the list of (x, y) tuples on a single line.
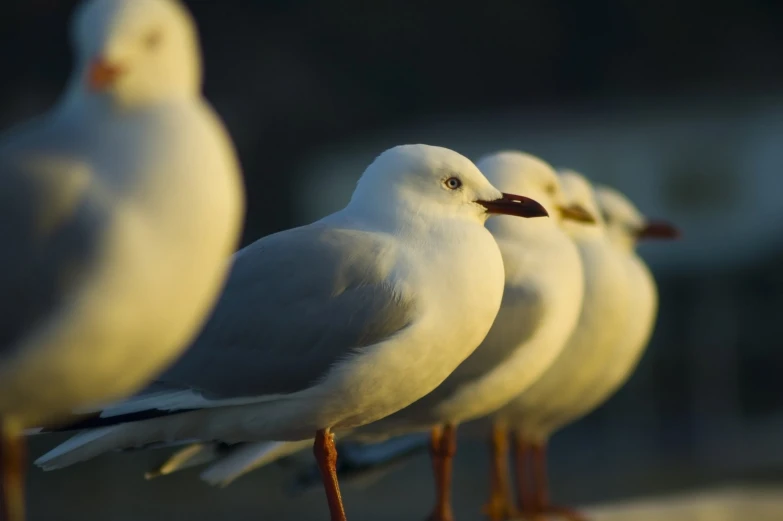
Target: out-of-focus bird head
[(135, 52)]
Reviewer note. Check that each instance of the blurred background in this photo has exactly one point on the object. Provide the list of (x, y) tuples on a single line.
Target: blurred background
[(678, 104)]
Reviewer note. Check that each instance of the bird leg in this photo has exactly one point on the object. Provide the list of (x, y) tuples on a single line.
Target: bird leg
[(12, 467), (436, 434), (443, 446), (540, 477), (525, 496), (326, 458), (500, 506), (541, 502)]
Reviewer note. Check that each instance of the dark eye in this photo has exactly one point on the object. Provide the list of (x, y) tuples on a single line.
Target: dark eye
[(551, 189), (452, 183), (606, 216), (152, 39)]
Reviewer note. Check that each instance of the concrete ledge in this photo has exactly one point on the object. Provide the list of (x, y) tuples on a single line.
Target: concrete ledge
[(723, 504)]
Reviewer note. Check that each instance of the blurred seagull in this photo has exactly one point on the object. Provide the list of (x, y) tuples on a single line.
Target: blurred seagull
[(624, 227), (541, 303), (119, 210), (586, 354)]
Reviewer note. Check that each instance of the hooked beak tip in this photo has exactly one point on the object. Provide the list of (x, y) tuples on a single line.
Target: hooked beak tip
[(517, 205), (659, 230)]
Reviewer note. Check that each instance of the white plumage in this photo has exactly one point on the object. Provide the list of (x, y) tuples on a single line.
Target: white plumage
[(120, 210), (342, 322)]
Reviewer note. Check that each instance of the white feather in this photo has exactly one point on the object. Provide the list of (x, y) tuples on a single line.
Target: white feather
[(59, 456), (174, 401), (191, 456), (248, 457)]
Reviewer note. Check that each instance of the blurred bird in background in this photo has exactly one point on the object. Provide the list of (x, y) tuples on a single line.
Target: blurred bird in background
[(120, 208)]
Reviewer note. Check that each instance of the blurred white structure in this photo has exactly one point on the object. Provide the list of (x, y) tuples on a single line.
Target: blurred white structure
[(723, 504)]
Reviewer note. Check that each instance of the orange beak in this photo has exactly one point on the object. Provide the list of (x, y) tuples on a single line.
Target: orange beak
[(102, 74)]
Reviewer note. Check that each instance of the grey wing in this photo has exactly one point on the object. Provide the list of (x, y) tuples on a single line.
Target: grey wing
[(295, 303), (49, 235)]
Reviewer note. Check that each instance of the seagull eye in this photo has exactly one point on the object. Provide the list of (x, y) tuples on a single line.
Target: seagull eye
[(452, 183), (152, 39), (551, 189)]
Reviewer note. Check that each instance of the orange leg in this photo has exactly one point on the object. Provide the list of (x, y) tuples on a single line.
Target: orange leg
[(12, 467), (326, 457), (500, 506), (443, 446), (541, 486), (540, 477), (525, 496)]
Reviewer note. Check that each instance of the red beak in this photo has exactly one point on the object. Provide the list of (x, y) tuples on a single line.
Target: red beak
[(102, 74), (517, 205), (658, 230)]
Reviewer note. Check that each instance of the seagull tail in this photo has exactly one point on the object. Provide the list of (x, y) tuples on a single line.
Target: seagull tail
[(81, 447), (94, 442), (247, 457)]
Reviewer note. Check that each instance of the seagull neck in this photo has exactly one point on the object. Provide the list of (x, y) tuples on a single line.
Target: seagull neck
[(401, 219), (623, 241), (77, 99), (517, 228), (578, 231), (74, 98), (385, 213)]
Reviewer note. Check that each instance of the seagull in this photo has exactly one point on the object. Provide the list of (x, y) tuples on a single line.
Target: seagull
[(625, 226), (336, 324), (541, 303), (587, 353), (119, 211)]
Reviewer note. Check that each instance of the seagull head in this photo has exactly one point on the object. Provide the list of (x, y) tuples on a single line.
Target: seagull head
[(522, 173), (136, 52), (577, 190), (625, 224), (427, 181)]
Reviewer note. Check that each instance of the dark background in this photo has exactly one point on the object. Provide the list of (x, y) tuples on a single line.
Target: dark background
[(680, 104)]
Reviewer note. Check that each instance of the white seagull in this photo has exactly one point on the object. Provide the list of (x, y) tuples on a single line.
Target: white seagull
[(339, 323), (119, 210), (541, 303), (626, 226), (536, 412)]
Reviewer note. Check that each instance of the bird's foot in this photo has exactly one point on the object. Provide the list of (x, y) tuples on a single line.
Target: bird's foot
[(441, 515), (500, 509)]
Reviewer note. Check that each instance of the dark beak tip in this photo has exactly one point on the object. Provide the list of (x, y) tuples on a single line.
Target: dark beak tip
[(515, 205), (534, 208), (660, 230), (542, 211)]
